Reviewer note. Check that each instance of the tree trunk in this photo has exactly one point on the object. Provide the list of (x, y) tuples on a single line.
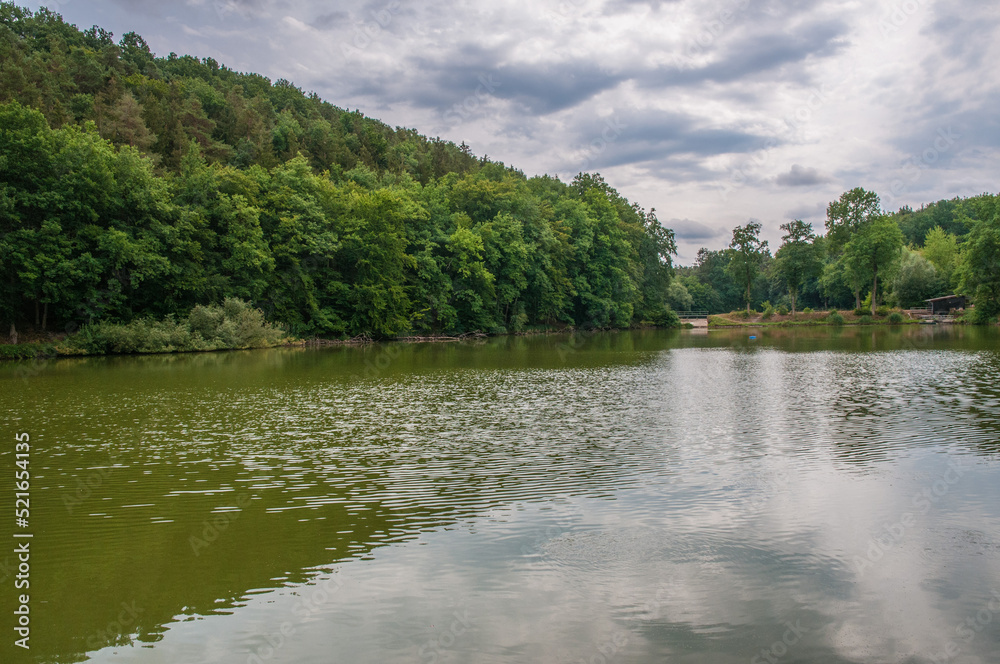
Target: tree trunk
[(875, 292), (13, 334), (791, 296), (36, 313), (748, 299), (45, 314), (857, 298)]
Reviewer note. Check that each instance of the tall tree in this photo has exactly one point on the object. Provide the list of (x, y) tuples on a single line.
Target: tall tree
[(941, 249), (874, 251), (748, 254), (797, 259), (979, 272), (845, 217)]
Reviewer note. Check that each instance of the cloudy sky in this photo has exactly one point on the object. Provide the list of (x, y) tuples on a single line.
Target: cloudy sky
[(712, 112)]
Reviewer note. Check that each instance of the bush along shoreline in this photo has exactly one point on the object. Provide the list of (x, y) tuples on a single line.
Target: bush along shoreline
[(232, 325)]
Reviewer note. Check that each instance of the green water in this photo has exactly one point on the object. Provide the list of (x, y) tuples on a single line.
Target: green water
[(813, 495)]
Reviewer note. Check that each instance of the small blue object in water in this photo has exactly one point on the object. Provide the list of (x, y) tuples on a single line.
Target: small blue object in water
[(753, 338)]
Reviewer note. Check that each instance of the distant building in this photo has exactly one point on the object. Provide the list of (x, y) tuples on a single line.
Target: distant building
[(943, 305)]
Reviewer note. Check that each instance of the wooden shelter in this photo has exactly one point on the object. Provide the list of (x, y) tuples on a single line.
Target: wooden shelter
[(943, 305)]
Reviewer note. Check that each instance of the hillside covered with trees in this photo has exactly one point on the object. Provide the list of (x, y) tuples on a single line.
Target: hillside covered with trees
[(138, 186)]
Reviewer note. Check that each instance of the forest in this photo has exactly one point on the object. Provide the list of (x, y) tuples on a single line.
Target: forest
[(866, 258), (135, 188)]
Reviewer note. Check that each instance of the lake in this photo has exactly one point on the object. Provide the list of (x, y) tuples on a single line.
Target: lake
[(812, 495)]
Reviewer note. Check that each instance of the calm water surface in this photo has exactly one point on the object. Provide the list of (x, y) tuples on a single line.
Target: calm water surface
[(808, 496)]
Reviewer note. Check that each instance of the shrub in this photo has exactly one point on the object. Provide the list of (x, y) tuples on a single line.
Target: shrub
[(835, 318), (895, 318), (26, 351), (807, 310), (860, 311), (883, 310), (234, 324), (666, 318), (865, 320), (979, 316), (768, 311), (834, 311), (782, 310)]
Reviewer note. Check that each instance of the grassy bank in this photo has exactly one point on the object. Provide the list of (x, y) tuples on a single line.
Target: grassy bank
[(811, 318)]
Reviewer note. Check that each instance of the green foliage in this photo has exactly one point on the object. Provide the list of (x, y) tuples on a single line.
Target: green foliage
[(26, 351), (679, 298), (895, 318), (135, 188), (860, 311), (850, 214), (807, 310), (865, 320), (234, 324), (979, 270), (668, 318), (161, 105), (917, 280), (835, 318), (798, 258), (916, 225), (747, 254), (941, 249), (874, 251), (883, 310), (979, 316), (768, 311), (782, 310)]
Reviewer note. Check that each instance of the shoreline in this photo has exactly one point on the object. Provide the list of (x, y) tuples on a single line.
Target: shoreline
[(54, 349)]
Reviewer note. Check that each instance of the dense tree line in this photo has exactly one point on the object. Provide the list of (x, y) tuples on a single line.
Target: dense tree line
[(92, 231), (867, 257), (135, 186)]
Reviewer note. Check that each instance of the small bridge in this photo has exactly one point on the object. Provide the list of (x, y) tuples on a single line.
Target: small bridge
[(697, 318)]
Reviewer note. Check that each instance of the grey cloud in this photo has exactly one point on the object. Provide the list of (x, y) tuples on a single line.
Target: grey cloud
[(755, 54), (637, 136), (330, 20), (801, 176), (815, 213), (966, 28), (695, 231)]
